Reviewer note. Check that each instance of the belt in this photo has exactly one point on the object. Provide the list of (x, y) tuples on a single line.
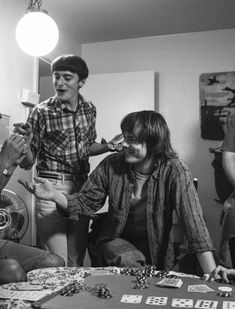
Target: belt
[(57, 176)]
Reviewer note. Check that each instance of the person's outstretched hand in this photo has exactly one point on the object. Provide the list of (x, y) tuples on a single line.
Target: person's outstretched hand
[(222, 273), (41, 188)]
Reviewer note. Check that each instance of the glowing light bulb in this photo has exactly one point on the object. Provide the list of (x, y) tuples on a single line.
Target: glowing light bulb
[(37, 33)]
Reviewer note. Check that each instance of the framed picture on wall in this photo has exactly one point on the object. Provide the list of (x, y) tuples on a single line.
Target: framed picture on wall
[(217, 103)]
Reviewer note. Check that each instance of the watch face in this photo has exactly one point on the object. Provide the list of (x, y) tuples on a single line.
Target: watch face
[(5, 172)]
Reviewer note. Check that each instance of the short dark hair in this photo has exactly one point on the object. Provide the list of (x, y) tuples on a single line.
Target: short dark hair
[(70, 63), (150, 127)]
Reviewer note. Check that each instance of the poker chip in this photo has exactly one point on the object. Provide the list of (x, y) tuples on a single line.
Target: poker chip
[(172, 276), (141, 282), (71, 289), (162, 274)]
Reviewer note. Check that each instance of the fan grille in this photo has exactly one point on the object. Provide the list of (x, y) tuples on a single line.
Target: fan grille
[(14, 216)]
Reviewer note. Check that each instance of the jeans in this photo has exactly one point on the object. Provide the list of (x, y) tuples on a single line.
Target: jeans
[(56, 233), (28, 257)]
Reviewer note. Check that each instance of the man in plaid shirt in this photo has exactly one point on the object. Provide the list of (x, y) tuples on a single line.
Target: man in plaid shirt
[(61, 135)]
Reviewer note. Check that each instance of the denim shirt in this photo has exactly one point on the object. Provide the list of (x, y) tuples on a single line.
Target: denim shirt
[(170, 188)]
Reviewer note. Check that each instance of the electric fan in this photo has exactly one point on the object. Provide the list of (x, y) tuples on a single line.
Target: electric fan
[(14, 216)]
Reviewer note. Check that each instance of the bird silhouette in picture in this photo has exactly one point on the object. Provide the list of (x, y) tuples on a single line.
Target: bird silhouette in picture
[(212, 80), (232, 99)]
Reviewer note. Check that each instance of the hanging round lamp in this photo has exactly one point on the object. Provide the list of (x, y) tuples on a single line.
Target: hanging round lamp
[(36, 33)]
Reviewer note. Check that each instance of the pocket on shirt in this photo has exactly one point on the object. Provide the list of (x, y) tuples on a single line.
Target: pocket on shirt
[(57, 141)]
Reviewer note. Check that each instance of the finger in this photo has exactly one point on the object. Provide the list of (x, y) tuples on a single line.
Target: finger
[(39, 179), (19, 139), (26, 184), (18, 124), (224, 276), (26, 126)]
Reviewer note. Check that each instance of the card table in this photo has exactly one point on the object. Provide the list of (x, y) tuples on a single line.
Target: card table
[(119, 285)]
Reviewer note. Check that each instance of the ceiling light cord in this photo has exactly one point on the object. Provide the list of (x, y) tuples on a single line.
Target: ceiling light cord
[(34, 4)]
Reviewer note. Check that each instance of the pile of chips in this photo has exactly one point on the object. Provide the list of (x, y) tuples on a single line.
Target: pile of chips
[(148, 271), (141, 282), (103, 292), (131, 271), (165, 274), (72, 289)]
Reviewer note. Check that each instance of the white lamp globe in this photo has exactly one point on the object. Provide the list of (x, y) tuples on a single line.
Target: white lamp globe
[(37, 33)]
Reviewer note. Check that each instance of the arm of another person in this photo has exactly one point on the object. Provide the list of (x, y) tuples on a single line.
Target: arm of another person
[(99, 148), (229, 166), (207, 261), (12, 152), (88, 201), (229, 151)]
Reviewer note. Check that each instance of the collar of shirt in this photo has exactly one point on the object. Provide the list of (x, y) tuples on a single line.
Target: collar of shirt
[(63, 106)]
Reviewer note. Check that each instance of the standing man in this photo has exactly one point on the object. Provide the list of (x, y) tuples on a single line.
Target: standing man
[(61, 135), (146, 184)]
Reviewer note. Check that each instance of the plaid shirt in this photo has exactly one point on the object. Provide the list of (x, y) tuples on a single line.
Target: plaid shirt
[(62, 138), (170, 189)]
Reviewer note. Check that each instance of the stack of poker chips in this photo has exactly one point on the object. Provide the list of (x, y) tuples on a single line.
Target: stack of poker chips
[(141, 282), (72, 289), (103, 292), (224, 291)]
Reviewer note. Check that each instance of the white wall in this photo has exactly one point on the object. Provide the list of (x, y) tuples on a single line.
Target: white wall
[(179, 60), (18, 71)]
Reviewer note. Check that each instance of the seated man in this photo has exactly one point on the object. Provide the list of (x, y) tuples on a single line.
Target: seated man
[(145, 184), (28, 258)]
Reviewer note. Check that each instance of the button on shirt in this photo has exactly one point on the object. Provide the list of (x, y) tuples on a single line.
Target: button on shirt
[(61, 137)]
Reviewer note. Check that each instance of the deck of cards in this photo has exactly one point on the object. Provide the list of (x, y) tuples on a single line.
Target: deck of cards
[(200, 288), (170, 283)]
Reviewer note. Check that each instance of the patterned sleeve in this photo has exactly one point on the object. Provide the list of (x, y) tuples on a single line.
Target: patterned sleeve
[(92, 196), (36, 120), (229, 141), (93, 134), (189, 211)]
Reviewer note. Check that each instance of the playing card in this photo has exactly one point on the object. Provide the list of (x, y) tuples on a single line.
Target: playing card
[(228, 304), (156, 300), (206, 304), (182, 302), (200, 288), (170, 283), (134, 299)]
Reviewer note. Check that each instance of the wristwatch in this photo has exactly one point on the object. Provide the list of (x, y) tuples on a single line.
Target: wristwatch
[(5, 171)]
